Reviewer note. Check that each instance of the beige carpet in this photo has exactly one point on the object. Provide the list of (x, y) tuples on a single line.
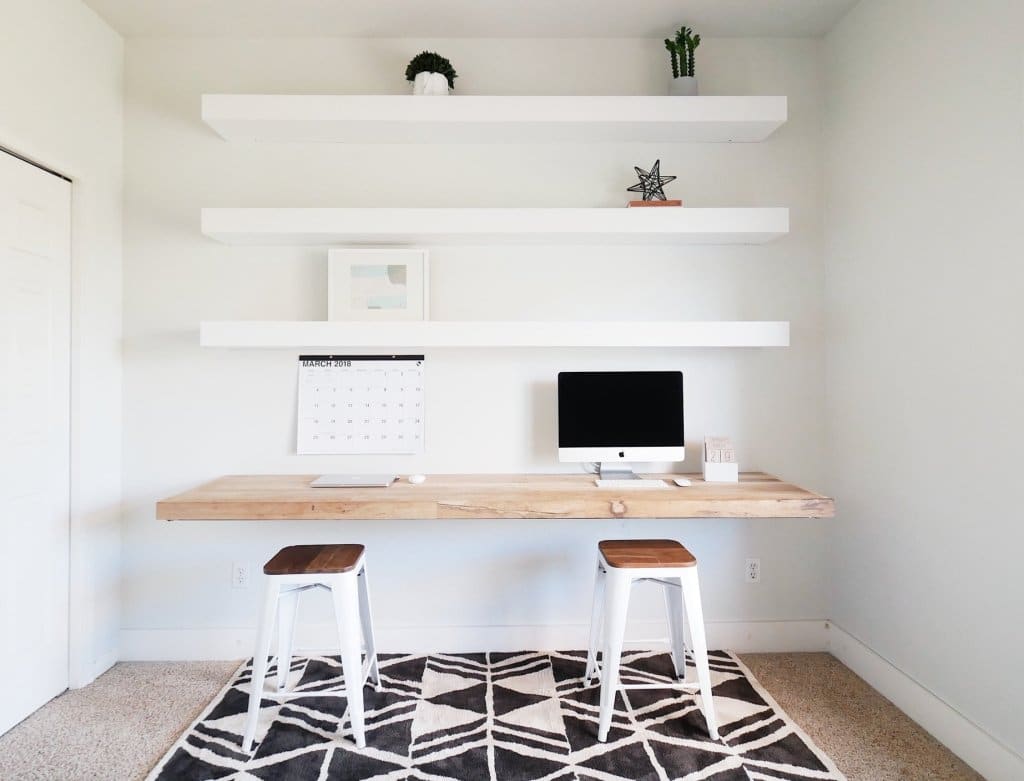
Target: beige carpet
[(866, 735), (118, 727)]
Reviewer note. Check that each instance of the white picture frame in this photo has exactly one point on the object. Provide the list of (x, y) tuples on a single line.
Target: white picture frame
[(378, 283)]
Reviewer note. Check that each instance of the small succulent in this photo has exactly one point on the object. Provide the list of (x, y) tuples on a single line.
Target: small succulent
[(432, 62), (681, 51)]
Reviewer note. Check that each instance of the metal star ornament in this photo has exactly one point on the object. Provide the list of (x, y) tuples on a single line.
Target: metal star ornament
[(651, 182)]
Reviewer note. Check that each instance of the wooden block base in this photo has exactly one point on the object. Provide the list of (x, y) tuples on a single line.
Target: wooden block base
[(654, 203)]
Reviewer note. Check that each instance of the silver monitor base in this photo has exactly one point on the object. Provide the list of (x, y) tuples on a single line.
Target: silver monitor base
[(616, 471)]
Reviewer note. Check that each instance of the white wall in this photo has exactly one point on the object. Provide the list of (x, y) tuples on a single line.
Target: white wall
[(61, 88), (193, 414), (924, 229)]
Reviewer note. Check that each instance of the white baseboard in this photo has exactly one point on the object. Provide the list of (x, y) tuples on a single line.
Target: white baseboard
[(237, 643), (959, 734)]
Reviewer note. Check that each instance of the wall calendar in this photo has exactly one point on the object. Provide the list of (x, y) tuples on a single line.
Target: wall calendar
[(360, 404)]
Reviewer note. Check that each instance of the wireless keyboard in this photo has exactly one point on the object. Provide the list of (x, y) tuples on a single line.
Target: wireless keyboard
[(631, 484)]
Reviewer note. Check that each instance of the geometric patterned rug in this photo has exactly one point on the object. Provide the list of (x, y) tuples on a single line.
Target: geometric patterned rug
[(494, 717)]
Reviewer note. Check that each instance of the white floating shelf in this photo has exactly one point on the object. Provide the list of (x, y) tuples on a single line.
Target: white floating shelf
[(462, 119), (435, 226), (450, 333)]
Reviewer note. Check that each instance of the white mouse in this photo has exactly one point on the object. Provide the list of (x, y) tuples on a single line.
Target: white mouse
[(682, 482), (417, 479)]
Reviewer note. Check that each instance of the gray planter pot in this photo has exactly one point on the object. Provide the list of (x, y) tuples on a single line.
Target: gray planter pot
[(684, 85), (427, 83)]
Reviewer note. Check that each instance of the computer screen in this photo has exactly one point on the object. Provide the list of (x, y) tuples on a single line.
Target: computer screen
[(636, 414)]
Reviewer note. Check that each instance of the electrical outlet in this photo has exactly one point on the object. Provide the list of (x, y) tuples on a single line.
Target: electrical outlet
[(240, 575), (752, 571)]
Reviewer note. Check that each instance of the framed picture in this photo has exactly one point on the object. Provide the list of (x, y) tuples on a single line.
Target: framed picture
[(378, 284)]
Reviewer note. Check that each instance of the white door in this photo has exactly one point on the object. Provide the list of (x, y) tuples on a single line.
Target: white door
[(35, 274)]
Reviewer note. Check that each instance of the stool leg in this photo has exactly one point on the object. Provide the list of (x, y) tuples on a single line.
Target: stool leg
[(617, 587), (674, 609), (287, 606), (346, 610), (596, 616), (259, 662), (366, 618), (687, 639), (695, 612)]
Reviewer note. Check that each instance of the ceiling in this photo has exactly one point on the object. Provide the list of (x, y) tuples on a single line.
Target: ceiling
[(470, 18)]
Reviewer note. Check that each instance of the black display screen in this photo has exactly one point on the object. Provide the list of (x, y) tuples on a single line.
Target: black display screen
[(620, 409)]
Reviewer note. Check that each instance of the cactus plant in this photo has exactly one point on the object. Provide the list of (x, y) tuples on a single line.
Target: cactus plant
[(681, 52), (673, 54)]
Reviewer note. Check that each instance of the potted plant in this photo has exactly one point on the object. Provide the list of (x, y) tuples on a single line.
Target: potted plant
[(684, 82), (430, 74)]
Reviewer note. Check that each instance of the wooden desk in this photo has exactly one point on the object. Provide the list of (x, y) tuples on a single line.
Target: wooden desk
[(289, 497)]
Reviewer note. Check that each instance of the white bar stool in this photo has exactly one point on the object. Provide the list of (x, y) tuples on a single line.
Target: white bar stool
[(342, 570), (620, 563)]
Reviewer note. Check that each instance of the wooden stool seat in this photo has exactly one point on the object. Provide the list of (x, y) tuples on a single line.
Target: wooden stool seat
[(314, 560), (635, 554)]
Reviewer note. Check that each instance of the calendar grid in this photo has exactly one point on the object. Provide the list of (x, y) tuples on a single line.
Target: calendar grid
[(360, 404)]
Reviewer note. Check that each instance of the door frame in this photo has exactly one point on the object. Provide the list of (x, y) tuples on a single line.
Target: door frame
[(83, 667)]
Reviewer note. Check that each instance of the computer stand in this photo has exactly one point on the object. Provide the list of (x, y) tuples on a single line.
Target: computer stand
[(615, 471)]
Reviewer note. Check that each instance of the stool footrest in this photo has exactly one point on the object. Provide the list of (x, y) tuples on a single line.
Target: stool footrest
[(364, 674), (323, 651), (300, 588), (619, 685), (291, 695), (683, 686), (660, 581)]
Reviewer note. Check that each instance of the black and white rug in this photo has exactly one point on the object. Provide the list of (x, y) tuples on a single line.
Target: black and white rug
[(495, 717)]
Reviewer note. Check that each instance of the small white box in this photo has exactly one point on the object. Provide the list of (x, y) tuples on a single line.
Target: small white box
[(721, 473)]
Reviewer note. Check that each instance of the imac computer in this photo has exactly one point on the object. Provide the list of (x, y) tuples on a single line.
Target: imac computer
[(615, 418)]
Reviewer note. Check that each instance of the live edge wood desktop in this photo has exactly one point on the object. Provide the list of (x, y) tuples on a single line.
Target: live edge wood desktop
[(289, 498)]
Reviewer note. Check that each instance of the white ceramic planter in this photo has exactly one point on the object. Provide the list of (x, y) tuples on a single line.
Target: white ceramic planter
[(427, 83), (684, 85)]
